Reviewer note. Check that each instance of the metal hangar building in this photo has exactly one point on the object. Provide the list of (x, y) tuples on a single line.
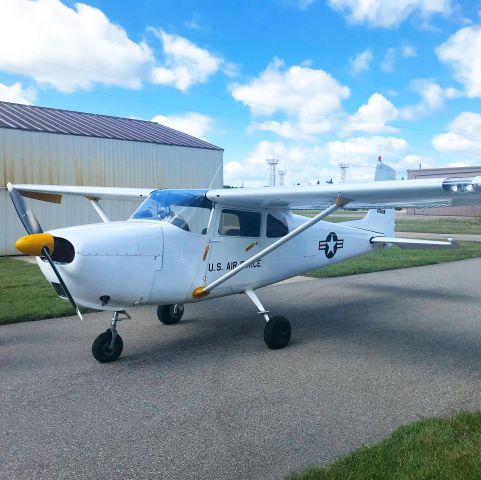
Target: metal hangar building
[(464, 211), (60, 147)]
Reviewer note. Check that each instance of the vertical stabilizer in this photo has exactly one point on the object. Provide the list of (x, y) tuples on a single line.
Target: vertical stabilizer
[(378, 220)]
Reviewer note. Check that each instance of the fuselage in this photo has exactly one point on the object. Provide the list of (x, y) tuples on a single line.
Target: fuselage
[(119, 265)]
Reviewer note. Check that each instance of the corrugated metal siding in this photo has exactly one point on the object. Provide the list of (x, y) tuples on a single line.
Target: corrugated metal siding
[(465, 211), (53, 120), (45, 158)]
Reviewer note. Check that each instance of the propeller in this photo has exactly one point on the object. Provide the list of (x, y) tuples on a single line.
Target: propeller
[(36, 242)]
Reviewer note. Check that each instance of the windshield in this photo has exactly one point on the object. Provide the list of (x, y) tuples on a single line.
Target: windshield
[(186, 209)]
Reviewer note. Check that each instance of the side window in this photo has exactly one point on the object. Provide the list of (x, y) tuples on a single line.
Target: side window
[(275, 227), (236, 223)]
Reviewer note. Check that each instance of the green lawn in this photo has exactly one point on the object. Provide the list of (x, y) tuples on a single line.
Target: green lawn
[(26, 295), (434, 449), (393, 257), (460, 225), (440, 225)]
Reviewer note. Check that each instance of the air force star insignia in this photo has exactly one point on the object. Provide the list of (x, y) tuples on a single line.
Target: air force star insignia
[(330, 245)]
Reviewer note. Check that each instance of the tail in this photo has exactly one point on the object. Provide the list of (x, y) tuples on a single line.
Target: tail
[(380, 220)]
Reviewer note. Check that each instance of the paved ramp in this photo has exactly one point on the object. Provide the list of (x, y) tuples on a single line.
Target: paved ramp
[(207, 400)]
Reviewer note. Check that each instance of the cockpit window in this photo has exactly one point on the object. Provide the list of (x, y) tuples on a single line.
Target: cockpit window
[(276, 227), (237, 223), (187, 209)]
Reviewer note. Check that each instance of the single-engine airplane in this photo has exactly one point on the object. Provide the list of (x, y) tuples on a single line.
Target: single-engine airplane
[(185, 246)]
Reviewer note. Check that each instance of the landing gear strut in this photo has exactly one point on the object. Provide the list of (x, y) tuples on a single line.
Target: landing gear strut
[(277, 331), (108, 346)]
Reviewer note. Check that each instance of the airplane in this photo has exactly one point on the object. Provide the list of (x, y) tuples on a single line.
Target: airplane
[(186, 246)]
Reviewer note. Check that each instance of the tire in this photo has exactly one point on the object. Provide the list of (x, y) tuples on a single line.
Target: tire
[(165, 313), (101, 347), (277, 332)]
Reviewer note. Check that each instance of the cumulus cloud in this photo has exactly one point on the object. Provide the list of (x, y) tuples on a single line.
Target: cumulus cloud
[(74, 48), (432, 96), (193, 123), (361, 63), (373, 116), (388, 13), (306, 164), (303, 101), (463, 136), (68, 48), (185, 64), (17, 94), (461, 52)]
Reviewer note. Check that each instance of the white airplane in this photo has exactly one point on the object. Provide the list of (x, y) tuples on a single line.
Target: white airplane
[(185, 246)]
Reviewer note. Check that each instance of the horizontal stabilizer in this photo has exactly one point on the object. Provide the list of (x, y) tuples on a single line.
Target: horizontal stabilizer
[(414, 243)]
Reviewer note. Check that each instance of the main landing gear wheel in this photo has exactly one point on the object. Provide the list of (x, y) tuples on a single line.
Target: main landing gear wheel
[(103, 350), (277, 332), (170, 314)]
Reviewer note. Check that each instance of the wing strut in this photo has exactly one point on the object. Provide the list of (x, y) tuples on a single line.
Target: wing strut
[(203, 291), (95, 203)]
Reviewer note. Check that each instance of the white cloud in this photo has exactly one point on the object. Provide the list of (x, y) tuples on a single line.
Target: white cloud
[(391, 56), (361, 63), (307, 100), (373, 116), (388, 13), (304, 4), (185, 63), (193, 123), (412, 162), (363, 152), (308, 164), (432, 96), (17, 94), (304, 164), (463, 136), (408, 51), (68, 48), (387, 65), (461, 52)]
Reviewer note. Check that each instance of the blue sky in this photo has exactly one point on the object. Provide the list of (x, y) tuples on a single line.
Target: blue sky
[(312, 82)]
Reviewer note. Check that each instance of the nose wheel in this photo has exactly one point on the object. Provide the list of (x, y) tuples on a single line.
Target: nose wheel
[(108, 346)]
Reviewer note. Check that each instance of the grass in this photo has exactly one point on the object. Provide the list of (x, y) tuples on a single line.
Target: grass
[(26, 295), (461, 225), (394, 257), (440, 225), (434, 449)]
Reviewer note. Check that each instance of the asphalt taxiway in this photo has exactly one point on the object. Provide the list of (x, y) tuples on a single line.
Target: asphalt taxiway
[(206, 399)]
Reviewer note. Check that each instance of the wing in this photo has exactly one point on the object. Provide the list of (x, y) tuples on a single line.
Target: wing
[(436, 192), (53, 193)]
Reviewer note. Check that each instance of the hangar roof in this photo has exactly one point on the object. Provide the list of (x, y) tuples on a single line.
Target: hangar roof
[(53, 120)]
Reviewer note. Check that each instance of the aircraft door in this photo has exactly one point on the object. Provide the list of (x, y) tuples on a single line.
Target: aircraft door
[(236, 237)]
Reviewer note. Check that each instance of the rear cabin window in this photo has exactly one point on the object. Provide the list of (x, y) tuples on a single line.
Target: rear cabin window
[(275, 227), (236, 223)]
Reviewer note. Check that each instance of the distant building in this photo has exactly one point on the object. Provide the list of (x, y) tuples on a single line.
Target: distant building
[(60, 147), (466, 211)]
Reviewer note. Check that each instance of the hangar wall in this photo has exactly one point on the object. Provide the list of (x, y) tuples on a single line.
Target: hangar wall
[(59, 159)]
